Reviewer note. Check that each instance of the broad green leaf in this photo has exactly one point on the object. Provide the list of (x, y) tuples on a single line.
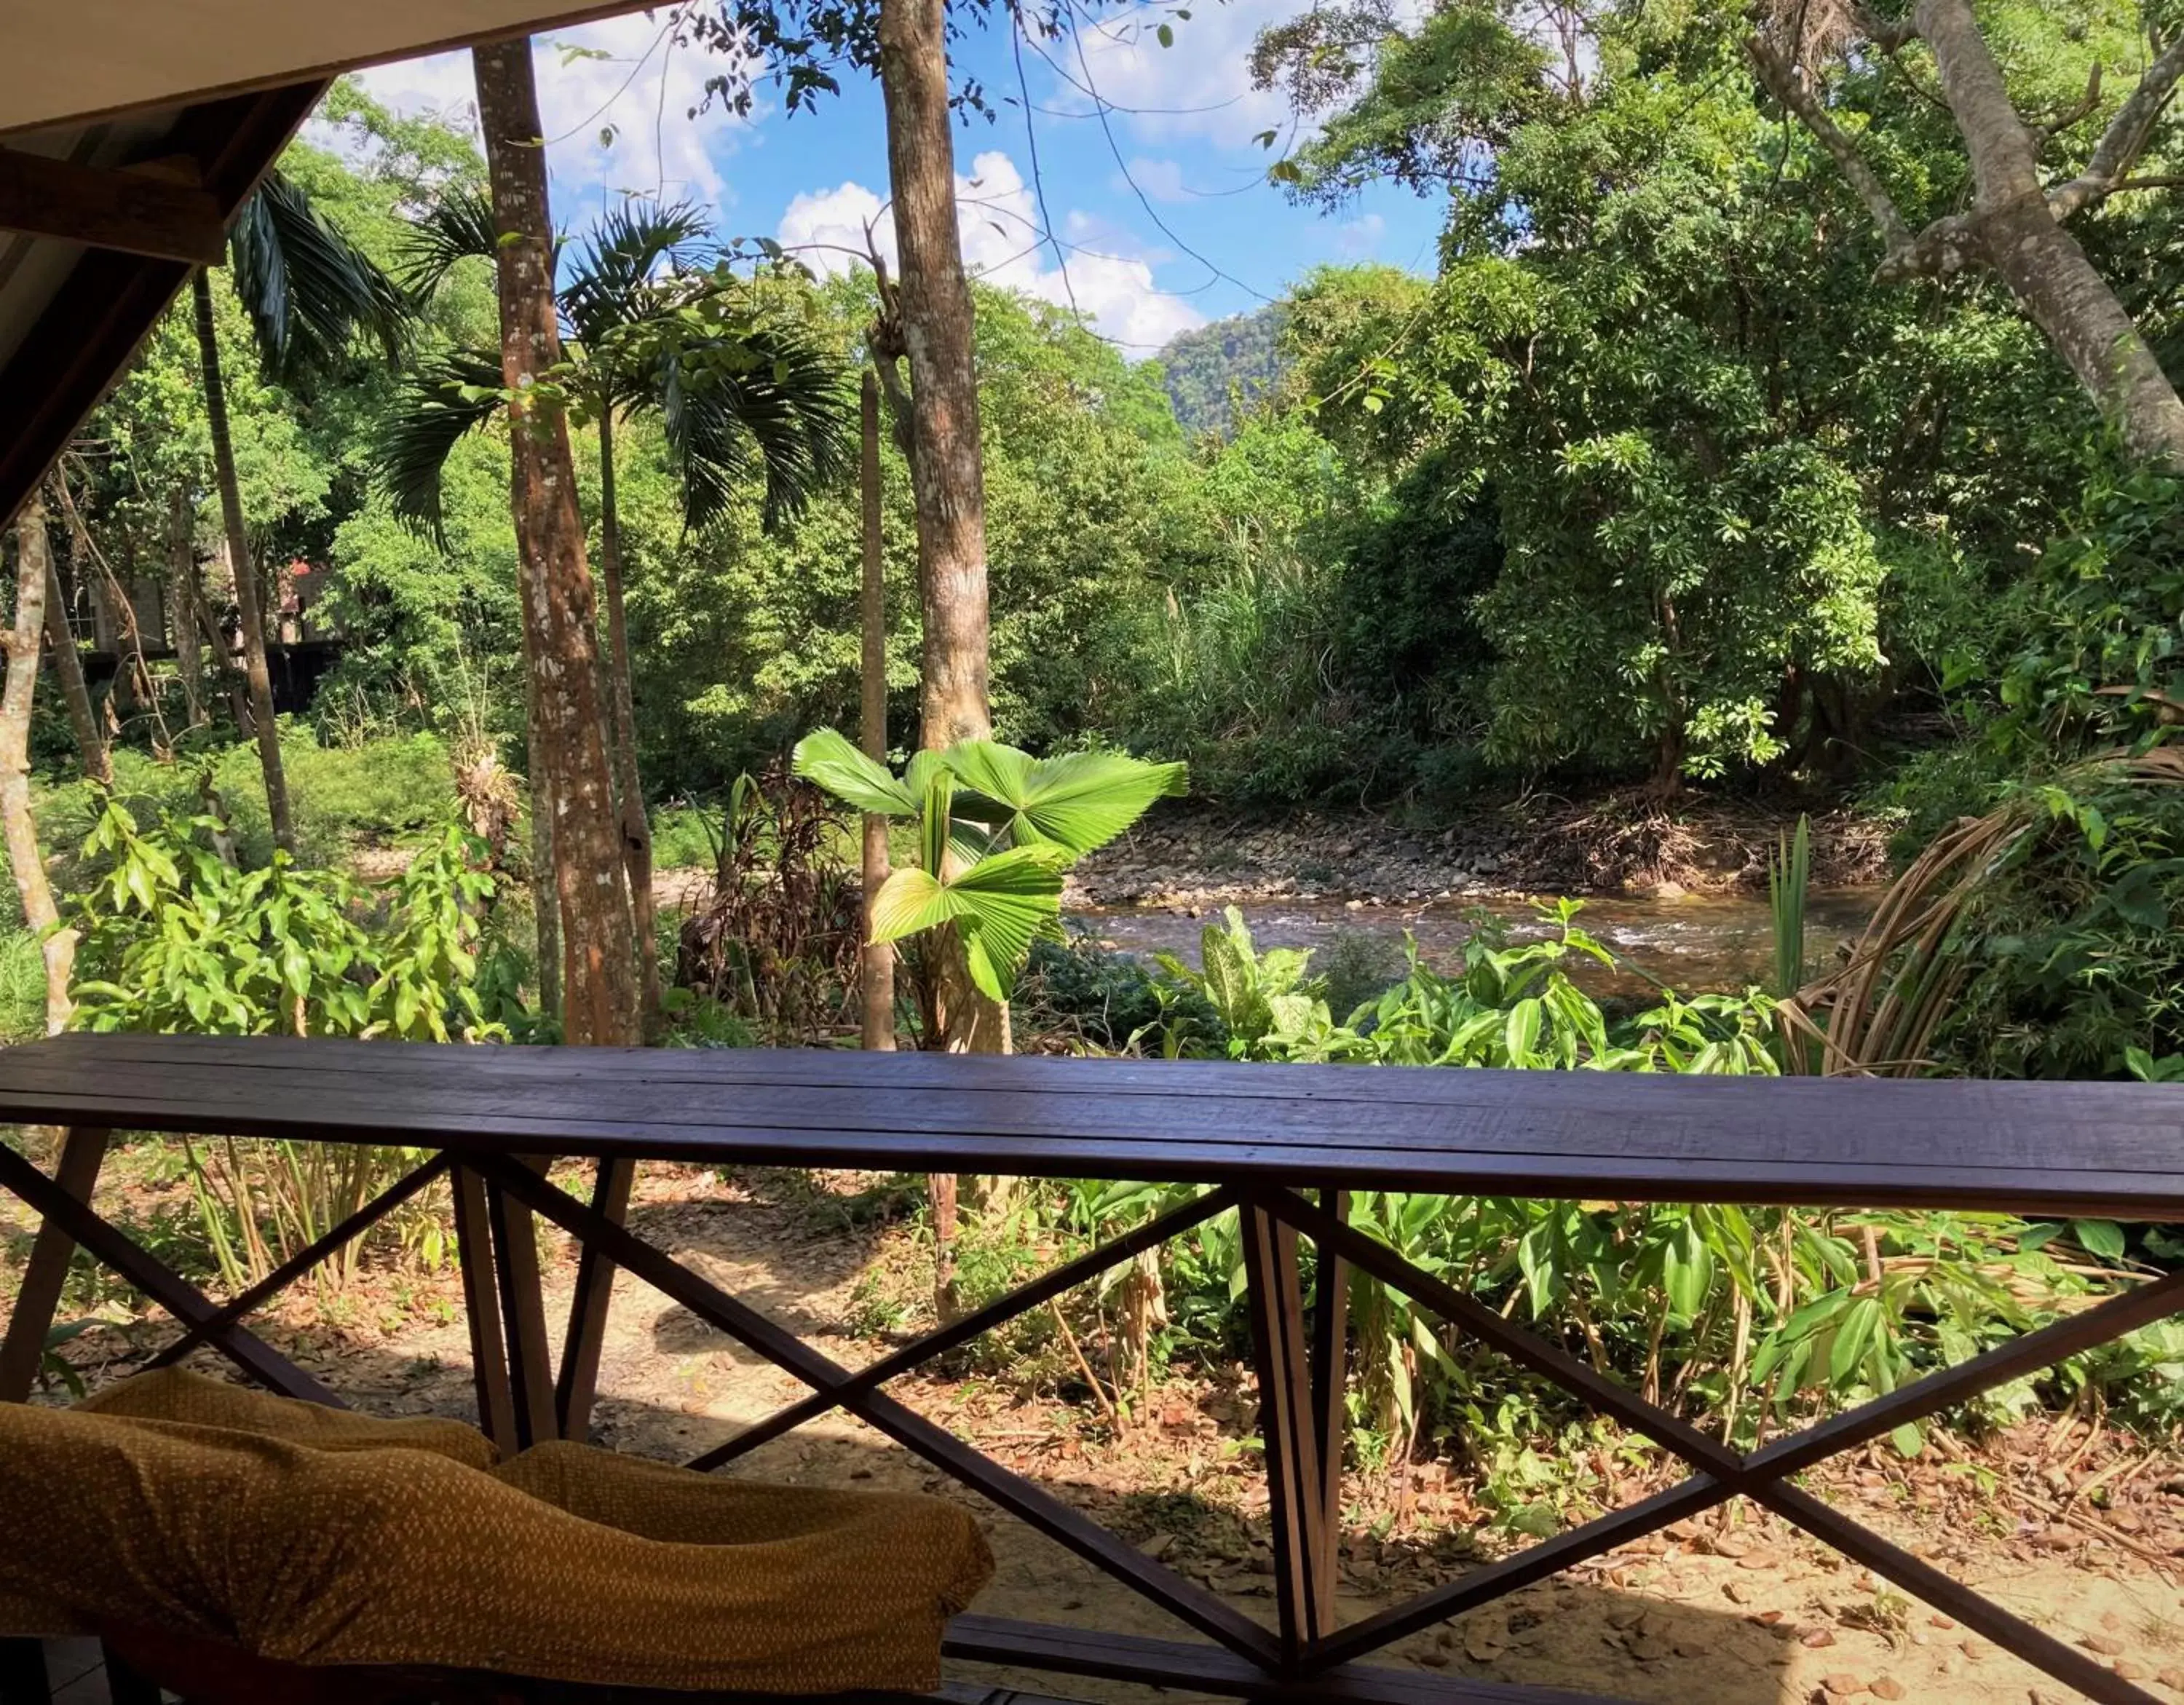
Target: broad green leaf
[(2101, 1237), (1080, 801), (1001, 903), (936, 816), (1853, 1338), (827, 759)]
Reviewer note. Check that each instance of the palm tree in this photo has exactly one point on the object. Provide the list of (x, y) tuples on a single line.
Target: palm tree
[(741, 396), (309, 291)]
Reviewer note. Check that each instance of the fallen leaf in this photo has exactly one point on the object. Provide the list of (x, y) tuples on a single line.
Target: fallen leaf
[(1887, 1687), (1842, 1686), (1817, 1637)]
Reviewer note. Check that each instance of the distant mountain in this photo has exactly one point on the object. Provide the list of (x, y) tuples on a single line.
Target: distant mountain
[(1208, 369)]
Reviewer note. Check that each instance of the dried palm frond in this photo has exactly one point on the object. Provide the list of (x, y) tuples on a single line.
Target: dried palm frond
[(1876, 1014)]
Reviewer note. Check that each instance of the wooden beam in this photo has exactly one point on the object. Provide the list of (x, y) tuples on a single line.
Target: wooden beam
[(23, 1352), (133, 213), (82, 342)]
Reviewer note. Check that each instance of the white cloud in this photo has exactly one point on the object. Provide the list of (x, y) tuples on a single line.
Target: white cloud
[(628, 78), (1002, 243), (1200, 86), (1161, 180), (1360, 236)]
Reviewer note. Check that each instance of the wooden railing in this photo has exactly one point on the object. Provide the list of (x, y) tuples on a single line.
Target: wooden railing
[(1278, 1146)]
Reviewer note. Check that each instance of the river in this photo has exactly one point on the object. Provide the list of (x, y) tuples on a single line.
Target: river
[(1692, 942)]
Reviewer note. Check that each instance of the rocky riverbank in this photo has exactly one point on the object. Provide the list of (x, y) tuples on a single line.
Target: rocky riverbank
[(1192, 856)]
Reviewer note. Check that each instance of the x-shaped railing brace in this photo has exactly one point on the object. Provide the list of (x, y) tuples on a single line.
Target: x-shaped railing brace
[(1298, 1404)]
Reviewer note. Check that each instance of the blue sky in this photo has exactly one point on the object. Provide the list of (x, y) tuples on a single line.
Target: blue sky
[(1182, 230)]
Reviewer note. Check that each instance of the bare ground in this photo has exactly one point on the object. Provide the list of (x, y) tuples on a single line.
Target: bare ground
[(2081, 1533)]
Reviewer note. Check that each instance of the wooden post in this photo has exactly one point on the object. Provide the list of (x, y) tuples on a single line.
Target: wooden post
[(1296, 1491), (23, 1352), (588, 1309), (876, 973), (523, 1314), (1330, 1324), (482, 1301)]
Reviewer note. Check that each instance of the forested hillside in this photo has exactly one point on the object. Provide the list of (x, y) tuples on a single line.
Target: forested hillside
[(1219, 371)]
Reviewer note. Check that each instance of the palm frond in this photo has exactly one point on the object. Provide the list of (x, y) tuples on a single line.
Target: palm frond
[(309, 292), (782, 412), (607, 284), (457, 226), (452, 394)]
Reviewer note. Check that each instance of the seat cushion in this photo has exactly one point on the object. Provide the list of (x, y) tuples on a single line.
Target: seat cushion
[(176, 1394), (566, 1563)]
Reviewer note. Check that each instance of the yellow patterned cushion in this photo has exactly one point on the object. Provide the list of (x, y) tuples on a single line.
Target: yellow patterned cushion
[(176, 1394), (566, 1563)]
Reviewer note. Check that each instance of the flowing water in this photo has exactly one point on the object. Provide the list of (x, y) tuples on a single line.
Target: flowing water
[(1692, 942)]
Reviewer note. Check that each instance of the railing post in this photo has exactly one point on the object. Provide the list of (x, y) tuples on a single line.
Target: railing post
[(1289, 1426), (588, 1309), (1330, 1338), (482, 1303), (23, 1352), (523, 1313)]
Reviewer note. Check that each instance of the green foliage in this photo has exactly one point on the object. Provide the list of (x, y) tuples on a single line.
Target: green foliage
[(994, 827), (176, 939), (2072, 939), (347, 798), (1219, 373), (2101, 653), (1737, 1316), (1510, 1006)]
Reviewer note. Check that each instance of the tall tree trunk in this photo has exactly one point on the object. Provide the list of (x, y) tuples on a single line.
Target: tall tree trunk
[(876, 973), (545, 911), (248, 604), (184, 600), (599, 984), (629, 786), (947, 474), (67, 660), (2040, 261), (947, 481), (34, 576), (947, 470)]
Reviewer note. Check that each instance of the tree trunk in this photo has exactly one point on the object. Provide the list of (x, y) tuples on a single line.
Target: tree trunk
[(247, 601), (2036, 258), (184, 601), (68, 661), (947, 480), (598, 987), (2068, 299), (876, 973), (34, 574), (947, 471), (629, 786), (947, 475)]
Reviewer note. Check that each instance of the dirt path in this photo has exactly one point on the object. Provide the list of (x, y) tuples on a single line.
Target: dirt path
[(1743, 1614)]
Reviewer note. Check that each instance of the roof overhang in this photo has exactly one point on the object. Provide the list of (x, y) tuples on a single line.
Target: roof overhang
[(68, 61), (131, 133)]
